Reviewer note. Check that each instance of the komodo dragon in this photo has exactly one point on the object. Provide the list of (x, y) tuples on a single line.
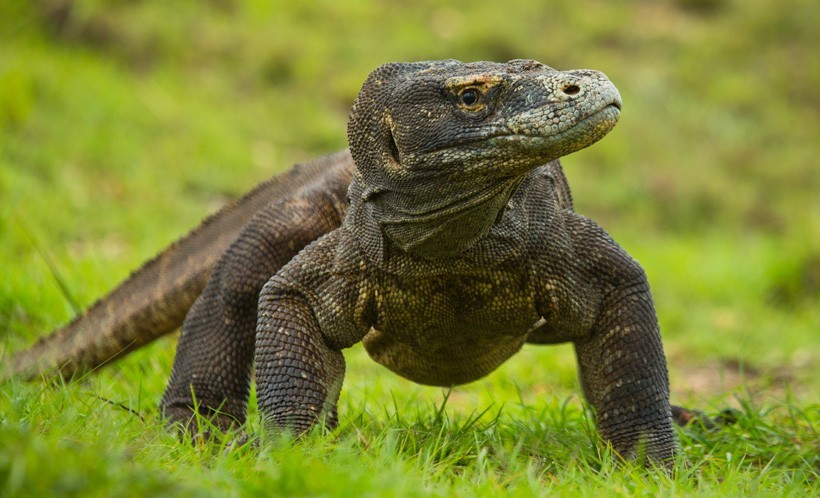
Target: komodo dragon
[(449, 244)]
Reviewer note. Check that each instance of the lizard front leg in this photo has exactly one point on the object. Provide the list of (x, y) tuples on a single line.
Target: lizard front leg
[(605, 308), (212, 367), (620, 357), (309, 311), (624, 376), (298, 374)]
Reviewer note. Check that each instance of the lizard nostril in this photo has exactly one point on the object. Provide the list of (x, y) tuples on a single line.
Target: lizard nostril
[(571, 89)]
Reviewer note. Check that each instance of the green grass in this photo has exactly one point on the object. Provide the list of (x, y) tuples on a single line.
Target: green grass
[(124, 123)]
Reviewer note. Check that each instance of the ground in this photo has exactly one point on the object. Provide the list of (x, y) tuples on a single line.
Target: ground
[(123, 123)]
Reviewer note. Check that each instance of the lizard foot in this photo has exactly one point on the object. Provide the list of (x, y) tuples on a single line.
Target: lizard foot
[(204, 425)]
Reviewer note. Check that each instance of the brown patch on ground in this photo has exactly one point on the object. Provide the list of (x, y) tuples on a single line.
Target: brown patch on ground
[(728, 377)]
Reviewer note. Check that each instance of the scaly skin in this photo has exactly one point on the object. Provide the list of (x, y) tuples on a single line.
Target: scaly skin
[(215, 347), (459, 245), (154, 300)]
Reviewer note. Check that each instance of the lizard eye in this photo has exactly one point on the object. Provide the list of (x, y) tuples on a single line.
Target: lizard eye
[(469, 96)]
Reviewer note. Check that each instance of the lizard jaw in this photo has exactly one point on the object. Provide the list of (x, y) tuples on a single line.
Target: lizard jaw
[(587, 131), (597, 124), (545, 148)]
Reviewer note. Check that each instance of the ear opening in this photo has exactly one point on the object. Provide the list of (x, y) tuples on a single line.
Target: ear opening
[(390, 141), (391, 144)]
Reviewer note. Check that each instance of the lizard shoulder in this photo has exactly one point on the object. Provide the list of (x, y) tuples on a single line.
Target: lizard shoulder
[(331, 276)]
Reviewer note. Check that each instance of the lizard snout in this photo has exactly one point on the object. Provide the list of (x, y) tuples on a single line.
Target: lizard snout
[(585, 84)]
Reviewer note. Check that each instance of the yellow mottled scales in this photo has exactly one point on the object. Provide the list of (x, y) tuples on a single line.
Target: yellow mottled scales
[(451, 329)]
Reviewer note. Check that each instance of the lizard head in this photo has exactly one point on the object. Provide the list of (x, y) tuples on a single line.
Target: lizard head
[(451, 119), (433, 139)]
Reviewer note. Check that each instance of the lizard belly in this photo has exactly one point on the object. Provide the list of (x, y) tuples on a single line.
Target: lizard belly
[(451, 330)]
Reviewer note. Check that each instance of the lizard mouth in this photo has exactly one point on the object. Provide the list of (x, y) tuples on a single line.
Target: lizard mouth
[(609, 112), (589, 129), (606, 116), (598, 123)]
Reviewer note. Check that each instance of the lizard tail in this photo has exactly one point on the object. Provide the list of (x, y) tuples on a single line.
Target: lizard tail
[(153, 301)]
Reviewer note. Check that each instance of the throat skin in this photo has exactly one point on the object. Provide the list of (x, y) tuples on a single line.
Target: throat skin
[(439, 231)]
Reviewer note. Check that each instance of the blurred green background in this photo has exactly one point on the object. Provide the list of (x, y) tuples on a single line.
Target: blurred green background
[(123, 122)]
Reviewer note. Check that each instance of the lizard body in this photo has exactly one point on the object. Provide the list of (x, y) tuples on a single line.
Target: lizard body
[(455, 244)]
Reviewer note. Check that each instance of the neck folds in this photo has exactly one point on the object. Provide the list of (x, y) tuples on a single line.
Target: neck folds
[(428, 223)]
